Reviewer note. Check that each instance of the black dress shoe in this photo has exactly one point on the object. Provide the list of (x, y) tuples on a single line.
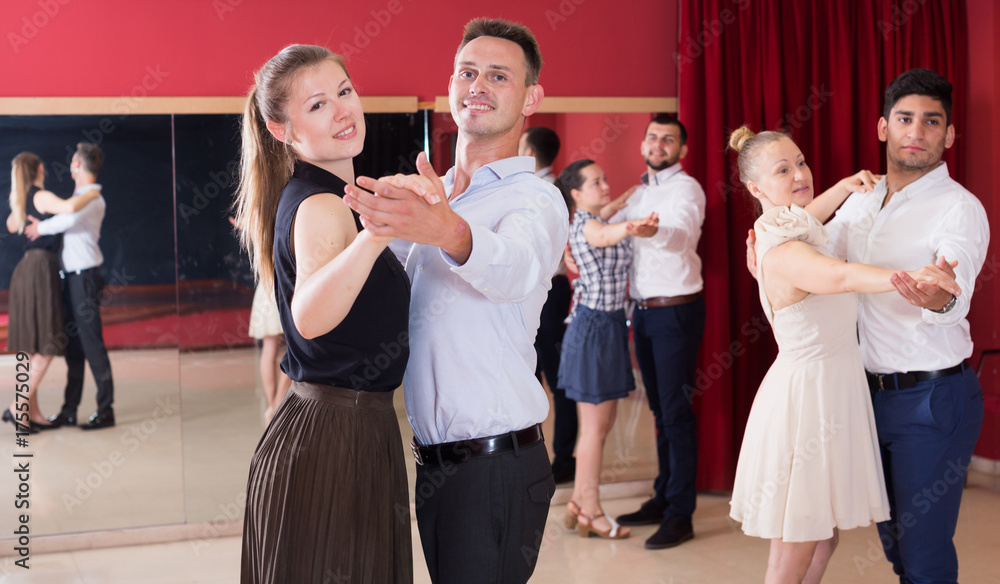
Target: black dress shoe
[(38, 427), (18, 426), (650, 513), (672, 532), (98, 421), (62, 420)]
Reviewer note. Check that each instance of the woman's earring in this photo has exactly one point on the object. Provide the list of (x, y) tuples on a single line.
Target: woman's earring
[(288, 141)]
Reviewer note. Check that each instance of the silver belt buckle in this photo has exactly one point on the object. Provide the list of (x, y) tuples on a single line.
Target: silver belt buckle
[(881, 382), (416, 454)]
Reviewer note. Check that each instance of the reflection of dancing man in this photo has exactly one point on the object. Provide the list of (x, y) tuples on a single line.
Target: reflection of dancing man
[(669, 322), (83, 286), (480, 269)]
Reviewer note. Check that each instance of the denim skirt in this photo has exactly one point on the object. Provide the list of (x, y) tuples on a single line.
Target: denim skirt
[(594, 365)]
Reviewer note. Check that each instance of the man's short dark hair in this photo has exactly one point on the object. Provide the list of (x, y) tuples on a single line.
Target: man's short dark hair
[(670, 120), (91, 157), (919, 82), (544, 142), (511, 31)]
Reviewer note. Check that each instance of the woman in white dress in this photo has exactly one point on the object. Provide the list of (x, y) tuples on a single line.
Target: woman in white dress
[(810, 463)]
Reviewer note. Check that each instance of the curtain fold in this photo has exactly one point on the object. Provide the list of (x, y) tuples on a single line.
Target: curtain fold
[(818, 70)]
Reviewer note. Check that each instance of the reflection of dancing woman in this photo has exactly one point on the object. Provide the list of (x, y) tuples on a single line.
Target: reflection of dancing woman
[(326, 497), (36, 318), (810, 462), (265, 325)]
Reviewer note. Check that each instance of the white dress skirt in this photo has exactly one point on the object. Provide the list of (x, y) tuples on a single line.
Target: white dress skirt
[(810, 458)]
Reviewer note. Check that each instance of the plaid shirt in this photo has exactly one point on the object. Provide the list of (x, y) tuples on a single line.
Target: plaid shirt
[(603, 282)]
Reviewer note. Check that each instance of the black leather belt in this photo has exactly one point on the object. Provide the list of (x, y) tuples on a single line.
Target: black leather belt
[(906, 380), (465, 450), (65, 273)]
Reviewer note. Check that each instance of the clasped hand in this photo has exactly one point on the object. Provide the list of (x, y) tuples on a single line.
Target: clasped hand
[(929, 287), (412, 207)]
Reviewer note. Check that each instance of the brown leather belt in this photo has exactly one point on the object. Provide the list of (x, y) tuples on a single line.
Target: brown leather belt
[(464, 450), (662, 301)]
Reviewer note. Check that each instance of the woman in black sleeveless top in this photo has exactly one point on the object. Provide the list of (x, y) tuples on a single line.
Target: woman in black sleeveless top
[(326, 498), (36, 324)]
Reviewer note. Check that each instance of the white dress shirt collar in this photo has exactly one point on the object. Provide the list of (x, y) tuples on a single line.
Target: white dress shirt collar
[(662, 176)]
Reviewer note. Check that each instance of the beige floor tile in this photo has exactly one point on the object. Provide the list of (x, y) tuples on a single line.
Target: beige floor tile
[(719, 553)]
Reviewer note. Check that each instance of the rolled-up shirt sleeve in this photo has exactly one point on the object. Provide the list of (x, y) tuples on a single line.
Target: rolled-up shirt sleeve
[(681, 227), (963, 234), (508, 262)]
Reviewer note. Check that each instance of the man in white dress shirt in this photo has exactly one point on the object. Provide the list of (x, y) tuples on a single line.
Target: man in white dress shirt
[(480, 267), (668, 324), (927, 400), (83, 285)]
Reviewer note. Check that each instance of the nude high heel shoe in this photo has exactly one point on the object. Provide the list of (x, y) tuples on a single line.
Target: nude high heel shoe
[(572, 513), (586, 528)]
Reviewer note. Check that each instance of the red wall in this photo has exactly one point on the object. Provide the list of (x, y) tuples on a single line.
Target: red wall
[(394, 47), (977, 139)]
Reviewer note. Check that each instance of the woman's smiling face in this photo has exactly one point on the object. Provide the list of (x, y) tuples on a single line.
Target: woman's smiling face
[(784, 177)]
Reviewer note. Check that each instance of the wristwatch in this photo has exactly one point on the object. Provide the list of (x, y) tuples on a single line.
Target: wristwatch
[(947, 306)]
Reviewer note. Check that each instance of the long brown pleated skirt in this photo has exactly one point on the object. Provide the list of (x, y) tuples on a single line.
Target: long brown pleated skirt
[(36, 309), (326, 499)]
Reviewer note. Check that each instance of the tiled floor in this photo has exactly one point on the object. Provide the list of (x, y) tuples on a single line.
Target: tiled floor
[(719, 553), (182, 456), (187, 426)]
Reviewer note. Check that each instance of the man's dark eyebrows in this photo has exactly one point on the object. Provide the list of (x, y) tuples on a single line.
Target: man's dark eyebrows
[(490, 66), (928, 114)]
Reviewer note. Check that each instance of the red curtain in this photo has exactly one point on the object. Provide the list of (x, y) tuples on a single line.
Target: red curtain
[(819, 70)]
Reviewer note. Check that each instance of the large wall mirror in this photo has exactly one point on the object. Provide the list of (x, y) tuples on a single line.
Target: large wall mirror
[(130, 475), (188, 397)]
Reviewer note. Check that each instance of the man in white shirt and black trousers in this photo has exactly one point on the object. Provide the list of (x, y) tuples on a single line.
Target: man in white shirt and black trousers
[(480, 268), (83, 285), (927, 400), (668, 324)]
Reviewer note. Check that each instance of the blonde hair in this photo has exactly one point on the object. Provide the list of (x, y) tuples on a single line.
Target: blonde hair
[(23, 173), (749, 146), (265, 163)]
